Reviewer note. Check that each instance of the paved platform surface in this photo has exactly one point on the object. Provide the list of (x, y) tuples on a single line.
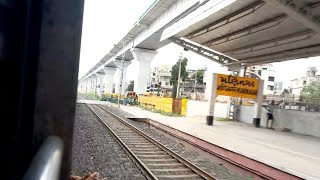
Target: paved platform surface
[(290, 152)]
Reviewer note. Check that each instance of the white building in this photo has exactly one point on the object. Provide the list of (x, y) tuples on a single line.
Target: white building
[(161, 74), (267, 73), (298, 84)]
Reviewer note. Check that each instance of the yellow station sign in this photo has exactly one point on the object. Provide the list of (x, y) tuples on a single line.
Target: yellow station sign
[(228, 85)]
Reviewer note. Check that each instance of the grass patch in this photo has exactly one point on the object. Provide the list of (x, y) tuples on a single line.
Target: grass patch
[(161, 112), (167, 113), (90, 96)]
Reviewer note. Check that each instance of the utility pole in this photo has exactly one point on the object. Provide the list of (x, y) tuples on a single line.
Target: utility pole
[(195, 82), (178, 86), (121, 77)]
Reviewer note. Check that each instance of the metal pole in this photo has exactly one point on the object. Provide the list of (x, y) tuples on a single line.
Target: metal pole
[(178, 86), (47, 162), (195, 82), (121, 77), (244, 75)]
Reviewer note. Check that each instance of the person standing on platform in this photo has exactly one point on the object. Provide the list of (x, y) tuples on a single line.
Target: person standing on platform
[(270, 108)]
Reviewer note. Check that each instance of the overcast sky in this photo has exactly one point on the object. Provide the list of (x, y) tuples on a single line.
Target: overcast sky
[(106, 22)]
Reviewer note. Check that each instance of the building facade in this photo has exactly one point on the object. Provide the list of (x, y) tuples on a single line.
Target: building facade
[(160, 76), (267, 73), (298, 84), (190, 85)]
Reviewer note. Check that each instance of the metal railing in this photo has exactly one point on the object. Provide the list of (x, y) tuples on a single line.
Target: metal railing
[(47, 162), (301, 104)]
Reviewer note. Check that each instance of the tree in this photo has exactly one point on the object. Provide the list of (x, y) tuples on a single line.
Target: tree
[(311, 91), (284, 92), (130, 86), (175, 74), (200, 73)]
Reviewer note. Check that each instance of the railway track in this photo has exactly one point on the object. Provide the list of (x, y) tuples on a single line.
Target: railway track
[(154, 159)]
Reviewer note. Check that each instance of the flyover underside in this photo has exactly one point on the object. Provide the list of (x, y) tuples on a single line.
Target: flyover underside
[(257, 32)]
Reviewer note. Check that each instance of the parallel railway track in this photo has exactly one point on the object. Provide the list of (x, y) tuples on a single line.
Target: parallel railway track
[(154, 159)]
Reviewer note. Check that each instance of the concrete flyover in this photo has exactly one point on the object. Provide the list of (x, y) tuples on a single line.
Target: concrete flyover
[(234, 33), (139, 46)]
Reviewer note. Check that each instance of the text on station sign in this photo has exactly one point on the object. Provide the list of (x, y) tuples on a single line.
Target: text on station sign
[(228, 85)]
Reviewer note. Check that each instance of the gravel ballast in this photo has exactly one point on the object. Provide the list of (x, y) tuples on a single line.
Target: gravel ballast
[(94, 149), (187, 151)]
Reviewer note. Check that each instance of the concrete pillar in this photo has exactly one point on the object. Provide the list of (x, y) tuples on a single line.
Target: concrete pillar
[(100, 89), (82, 86), (83, 90), (143, 58), (236, 68), (89, 85), (124, 77), (108, 79), (94, 84), (213, 95), (258, 102), (208, 79), (86, 85)]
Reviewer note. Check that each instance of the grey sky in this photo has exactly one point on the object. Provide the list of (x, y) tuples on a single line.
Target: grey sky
[(105, 22)]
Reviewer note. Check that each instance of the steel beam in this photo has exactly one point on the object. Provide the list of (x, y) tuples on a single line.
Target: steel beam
[(299, 11), (273, 42), (198, 49), (303, 52), (270, 23), (228, 19)]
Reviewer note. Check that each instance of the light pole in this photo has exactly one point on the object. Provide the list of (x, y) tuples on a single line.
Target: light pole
[(178, 86), (195, 82), (121, 77)]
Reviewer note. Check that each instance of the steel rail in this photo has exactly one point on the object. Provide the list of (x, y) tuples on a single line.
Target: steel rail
[(149, 175), (182, 160)]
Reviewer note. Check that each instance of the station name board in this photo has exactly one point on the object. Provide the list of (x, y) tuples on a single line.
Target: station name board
[(228, 85)]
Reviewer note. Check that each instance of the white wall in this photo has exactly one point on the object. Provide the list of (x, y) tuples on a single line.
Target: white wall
[(197, 108), (307, 123), (265, 73), (265, 76), (246, 114), (302, 122)]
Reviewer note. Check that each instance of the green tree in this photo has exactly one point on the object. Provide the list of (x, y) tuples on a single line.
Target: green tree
[(311, 91), (199, 76), (130, 86), (175, 74)]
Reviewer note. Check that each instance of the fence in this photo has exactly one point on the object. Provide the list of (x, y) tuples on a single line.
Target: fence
[(310, 105), (291, 102)]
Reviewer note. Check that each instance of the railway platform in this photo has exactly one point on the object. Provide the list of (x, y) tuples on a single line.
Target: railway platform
[(290, 152)]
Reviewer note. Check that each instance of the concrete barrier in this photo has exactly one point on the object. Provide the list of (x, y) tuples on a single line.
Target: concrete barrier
[(302, 122)]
